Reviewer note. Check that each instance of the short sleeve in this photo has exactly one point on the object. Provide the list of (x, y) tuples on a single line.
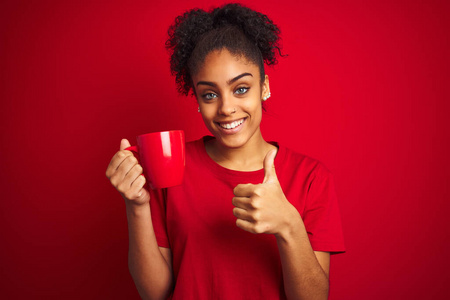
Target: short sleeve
[(322, 217), (158, 212)]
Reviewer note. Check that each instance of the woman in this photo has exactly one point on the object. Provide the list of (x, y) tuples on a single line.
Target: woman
[(252, 219)]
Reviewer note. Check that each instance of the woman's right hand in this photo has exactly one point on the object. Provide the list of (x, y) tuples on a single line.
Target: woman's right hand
[(124, 172)]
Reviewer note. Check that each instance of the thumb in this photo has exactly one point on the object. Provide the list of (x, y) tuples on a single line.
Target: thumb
[(269, 166), (124, 143)]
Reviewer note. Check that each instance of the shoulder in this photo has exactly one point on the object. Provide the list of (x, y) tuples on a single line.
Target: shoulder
[(293, 161)]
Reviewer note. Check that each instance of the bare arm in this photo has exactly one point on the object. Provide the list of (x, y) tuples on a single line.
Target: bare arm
[(305, 272), (150, 266)]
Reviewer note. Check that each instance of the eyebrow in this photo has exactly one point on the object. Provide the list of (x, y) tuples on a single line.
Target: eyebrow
[(228, 82)]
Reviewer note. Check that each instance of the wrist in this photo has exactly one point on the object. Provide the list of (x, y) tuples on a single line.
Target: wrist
[(293, 229), (136, 210)]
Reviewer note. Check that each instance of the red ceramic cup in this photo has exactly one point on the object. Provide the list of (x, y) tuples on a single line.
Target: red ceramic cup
[(162, 156)]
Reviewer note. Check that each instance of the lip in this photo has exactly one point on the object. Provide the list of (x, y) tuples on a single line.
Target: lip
[(231, 130)]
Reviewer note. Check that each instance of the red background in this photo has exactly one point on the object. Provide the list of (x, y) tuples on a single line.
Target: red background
[(364, 89)]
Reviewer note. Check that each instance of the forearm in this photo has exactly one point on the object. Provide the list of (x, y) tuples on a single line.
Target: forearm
[(303, 276), (148, 267)]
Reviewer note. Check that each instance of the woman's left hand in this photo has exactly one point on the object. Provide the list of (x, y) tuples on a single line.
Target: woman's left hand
[(263, 208)]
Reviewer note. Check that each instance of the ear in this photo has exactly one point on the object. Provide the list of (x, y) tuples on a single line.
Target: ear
[(265, 91)]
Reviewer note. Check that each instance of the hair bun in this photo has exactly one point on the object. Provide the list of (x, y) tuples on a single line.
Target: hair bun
[(191, 28)]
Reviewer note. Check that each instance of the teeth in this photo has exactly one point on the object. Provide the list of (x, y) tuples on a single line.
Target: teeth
[(232, 124)]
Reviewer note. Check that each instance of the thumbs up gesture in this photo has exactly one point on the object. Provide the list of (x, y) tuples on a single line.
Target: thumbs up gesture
[(263, 208)]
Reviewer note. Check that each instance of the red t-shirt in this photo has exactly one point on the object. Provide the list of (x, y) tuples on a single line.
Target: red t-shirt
[(212, 257)]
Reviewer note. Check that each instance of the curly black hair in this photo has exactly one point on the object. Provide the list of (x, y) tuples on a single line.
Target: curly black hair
[(239, 29)]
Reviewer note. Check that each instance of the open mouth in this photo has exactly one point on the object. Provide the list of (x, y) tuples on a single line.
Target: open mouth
[(231, 125)]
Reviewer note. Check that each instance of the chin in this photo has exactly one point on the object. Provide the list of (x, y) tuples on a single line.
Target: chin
[(231, 141)]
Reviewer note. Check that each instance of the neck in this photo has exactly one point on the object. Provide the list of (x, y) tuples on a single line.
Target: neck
[(249, 157)]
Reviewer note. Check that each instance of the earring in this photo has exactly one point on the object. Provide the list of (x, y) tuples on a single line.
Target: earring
[(267, 97), (199, 109)]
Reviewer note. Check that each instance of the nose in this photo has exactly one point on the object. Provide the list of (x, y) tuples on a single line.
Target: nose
[(227, 106)]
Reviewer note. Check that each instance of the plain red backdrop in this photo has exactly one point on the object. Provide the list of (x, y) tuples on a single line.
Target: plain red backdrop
[(364, 89)]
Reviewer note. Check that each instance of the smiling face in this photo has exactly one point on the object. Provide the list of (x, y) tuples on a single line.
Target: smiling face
[(229, 93)]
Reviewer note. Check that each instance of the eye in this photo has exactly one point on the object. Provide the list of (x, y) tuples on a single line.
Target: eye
[(241, 90), (209, 96)]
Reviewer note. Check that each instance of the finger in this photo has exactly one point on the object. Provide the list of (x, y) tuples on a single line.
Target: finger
[(242, 214), (137, 187), (244, 190), (253, 227), (124, 143), (139, 183), (116, 161), (242, 202), (122, 170), (269, 166), (134, 173), (245, 225), (137, 190), (127, 164)]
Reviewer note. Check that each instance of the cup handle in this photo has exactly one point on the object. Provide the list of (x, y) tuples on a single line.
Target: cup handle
[(133, 149)]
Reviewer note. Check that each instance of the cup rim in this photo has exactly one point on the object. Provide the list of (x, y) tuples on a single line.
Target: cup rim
[(160, 132)]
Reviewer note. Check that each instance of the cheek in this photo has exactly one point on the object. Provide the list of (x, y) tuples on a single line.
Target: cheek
[(254, 108), (208, 113), (259, 113)]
